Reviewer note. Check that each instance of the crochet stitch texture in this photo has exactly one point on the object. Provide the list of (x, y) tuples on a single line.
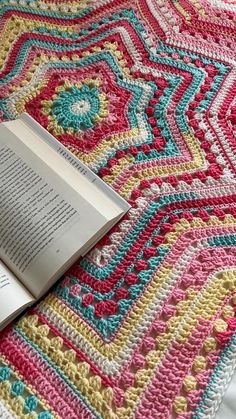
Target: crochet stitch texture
[(143, 92)]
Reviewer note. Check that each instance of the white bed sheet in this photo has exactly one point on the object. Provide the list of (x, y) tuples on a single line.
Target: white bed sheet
[(227, 409)]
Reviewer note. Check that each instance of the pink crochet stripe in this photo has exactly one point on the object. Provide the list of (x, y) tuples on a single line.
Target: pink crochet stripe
[(42, 377), (81, 356), (149, 314)]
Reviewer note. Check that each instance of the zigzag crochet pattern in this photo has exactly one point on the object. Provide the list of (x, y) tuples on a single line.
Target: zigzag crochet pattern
[(143, 92)]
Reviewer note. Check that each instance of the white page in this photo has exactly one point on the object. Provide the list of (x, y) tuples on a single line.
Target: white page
[(13, 296), (26, 121), (97, 198), (44, 222)]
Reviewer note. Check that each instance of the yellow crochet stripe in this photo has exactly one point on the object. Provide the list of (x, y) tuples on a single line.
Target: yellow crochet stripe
[(6, 399), (190, 383), (204, 306), (199, 363), (78, 373), (182, 11), (110, 350), (180, 404), (63, 6), (149, 173), (119, 169), (20, 104), (35, 90), (16, 404), (114, 141), (200, 7), (133, 182), (197, 163), (182, 306), (16, 26)]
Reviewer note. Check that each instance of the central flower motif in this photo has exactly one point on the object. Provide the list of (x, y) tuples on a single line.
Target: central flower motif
[(75, 107), (81, 107)]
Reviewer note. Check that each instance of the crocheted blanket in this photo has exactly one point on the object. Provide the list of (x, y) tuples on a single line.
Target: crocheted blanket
[(143, 92)]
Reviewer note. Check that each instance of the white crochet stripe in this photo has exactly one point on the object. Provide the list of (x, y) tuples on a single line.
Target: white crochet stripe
[(101, 257), (215, 108), (142, 135), (164, 16), (5, 413), (222, 5), (114, 366), (184, 321), (217, 53)]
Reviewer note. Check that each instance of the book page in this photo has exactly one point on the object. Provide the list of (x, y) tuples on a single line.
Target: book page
[(13, 296), (77, 181), (26, 121), (44, 222)]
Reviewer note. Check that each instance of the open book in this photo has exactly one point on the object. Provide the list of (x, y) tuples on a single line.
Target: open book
[(53, 210)]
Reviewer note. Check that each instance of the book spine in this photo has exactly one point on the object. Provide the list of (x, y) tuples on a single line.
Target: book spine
[(74, 161)]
